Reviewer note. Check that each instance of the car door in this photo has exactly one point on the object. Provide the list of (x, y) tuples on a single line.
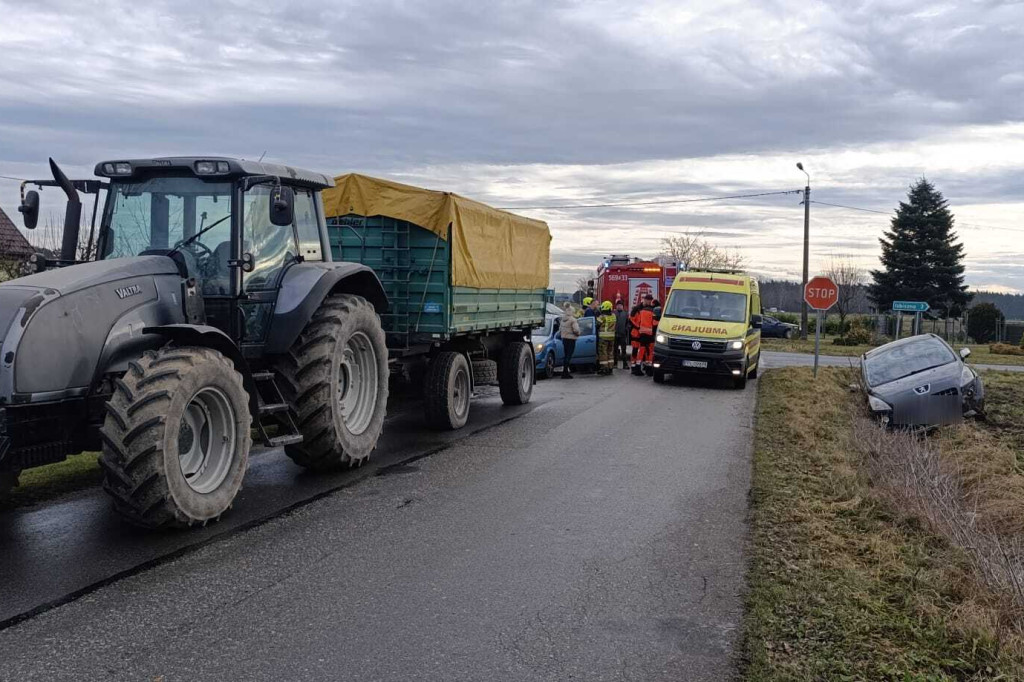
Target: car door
[(586, 345)]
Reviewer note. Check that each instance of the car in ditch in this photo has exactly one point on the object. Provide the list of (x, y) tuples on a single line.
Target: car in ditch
[(921, 381)]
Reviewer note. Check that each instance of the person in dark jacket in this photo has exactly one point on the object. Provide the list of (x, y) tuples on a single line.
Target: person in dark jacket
[(621, 334)]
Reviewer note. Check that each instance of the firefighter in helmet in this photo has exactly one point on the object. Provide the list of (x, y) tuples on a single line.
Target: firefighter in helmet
[(606, 339)]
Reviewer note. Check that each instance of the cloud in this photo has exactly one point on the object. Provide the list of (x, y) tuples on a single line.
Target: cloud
[(552, 102)]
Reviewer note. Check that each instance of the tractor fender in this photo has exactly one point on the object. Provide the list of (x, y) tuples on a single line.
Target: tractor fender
[(213, 338), (305, 286)]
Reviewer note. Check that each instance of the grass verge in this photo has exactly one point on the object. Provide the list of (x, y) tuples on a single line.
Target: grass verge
[(980, 354), (46, 482), (841, 585)]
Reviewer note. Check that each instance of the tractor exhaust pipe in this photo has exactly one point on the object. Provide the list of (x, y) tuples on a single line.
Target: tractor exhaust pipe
[(72, 217)]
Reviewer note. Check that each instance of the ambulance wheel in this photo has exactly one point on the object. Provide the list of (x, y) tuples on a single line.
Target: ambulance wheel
[(757, 366), (741, 381), (659, 376)]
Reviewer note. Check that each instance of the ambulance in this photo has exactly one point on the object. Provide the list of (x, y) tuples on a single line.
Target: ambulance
[(710, 324)]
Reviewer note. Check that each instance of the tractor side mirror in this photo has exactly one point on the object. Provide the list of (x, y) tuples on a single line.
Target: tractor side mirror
[(282, 206), (29, 209), (756, 321)]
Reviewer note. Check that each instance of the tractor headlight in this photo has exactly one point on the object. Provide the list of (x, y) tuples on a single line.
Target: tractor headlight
[(736, 345), (117, 168), (661, 338), (211, 167)]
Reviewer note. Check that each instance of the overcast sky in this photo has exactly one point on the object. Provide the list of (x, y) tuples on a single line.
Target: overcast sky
[(553, 103)]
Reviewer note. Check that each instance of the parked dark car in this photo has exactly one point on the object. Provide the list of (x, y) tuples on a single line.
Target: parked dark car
[(773, 328), (921, 381)]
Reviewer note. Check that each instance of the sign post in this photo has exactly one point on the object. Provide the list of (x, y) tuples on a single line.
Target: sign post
[(916, 307), (821, 293)]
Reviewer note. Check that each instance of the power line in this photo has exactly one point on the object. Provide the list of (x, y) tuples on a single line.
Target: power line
[(650, 203), (852, 208), (8, 177), (958, 223)]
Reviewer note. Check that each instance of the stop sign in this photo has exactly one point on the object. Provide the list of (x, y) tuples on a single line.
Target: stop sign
[(821, 293)]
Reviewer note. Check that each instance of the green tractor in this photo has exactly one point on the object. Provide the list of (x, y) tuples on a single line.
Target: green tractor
[(209, 313)]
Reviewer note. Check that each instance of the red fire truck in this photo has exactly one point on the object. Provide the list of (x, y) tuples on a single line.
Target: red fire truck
[(621, 278)]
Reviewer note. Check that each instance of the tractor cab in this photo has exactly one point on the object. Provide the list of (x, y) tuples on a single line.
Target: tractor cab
[(232, 226)]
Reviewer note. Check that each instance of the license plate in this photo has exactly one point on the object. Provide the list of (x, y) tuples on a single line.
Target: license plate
[(696, 364)]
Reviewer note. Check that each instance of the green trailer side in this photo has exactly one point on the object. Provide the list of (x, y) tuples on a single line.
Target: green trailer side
[(414, 265)]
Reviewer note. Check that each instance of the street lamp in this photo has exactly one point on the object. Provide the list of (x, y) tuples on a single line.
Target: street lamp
[(807, 239)]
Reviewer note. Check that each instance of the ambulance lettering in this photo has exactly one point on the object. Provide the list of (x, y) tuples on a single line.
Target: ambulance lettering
[(698, 329)]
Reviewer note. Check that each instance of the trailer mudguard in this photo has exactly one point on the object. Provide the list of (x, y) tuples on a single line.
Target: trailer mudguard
[(305, 286), (211, 337)]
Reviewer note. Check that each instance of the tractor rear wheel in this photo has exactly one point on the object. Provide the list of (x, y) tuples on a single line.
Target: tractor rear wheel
[(335, 380), (176, 438), (515, 373)]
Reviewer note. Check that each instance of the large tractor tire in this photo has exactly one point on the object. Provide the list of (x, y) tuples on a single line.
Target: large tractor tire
[(335, 381), (176, 438), (447, 392), (515, 373)]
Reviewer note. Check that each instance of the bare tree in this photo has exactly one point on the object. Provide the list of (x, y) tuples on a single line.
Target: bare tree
[(48, 238), (694, 251), (849, 280)]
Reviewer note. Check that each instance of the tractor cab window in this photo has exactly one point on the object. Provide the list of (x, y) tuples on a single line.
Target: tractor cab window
[(159, 214), (272, 246), (307, 226)]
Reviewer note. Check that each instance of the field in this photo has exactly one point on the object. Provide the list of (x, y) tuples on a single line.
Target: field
[(846, 581), (980, 353)]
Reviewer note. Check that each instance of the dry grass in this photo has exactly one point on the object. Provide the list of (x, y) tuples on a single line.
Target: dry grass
[(843, 583), (980, 354)]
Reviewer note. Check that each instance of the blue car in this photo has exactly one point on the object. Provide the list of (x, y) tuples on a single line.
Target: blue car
[(772, 327), (550, 354)]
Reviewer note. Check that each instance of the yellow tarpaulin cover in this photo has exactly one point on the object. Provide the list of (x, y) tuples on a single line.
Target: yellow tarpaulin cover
[(491, 249)]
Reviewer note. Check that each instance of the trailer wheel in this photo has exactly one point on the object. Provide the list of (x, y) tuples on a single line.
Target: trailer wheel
[(176, 438), (515, 373), (447, 391), (335, 381)]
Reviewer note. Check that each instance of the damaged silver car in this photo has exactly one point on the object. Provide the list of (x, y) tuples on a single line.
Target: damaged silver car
[(921, 381)]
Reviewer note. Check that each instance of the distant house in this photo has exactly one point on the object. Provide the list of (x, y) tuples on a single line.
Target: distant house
[(14, 248)]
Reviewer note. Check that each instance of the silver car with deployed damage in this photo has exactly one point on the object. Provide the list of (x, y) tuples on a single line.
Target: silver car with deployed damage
[(921, 381)]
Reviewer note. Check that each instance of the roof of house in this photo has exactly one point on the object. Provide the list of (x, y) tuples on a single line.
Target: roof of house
[(12, 242)]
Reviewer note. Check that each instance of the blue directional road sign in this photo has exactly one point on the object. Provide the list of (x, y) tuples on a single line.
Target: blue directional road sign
[(909, 306)]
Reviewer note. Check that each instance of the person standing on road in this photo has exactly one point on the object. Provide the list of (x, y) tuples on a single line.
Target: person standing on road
[(606, 339), (570, 331), (621, 335), (644, 323)]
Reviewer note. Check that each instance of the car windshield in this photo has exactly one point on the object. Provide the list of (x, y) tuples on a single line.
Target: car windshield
[(695, 304), (159, 212), (898, 361), (544, 331)]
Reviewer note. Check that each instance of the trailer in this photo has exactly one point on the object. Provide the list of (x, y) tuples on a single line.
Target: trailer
[(466, 284)]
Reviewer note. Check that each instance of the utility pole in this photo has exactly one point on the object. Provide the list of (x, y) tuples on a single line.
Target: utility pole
[(807, 241)]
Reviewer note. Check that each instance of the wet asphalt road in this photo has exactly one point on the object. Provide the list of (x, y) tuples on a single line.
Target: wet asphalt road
[(596, 535)]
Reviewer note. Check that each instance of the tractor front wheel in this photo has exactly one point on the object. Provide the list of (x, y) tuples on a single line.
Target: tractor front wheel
[(176, 438)]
